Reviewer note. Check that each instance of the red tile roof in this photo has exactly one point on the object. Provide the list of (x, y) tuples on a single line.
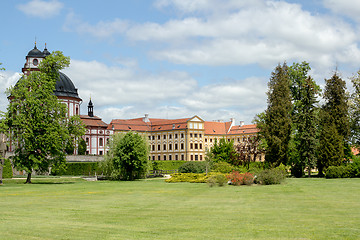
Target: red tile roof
[(93, 121), (243, 129), (216, 128)]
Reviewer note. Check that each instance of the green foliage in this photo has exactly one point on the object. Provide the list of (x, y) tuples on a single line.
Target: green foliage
[(338, 171), (7, 169), (224, 151), (77, 169), (277, 126), (238, 179), (304, 92), (37, 119), (218, 179), (330, 151), (355, 166), (354, 108), (193, 167), (82, 147), (271, 176), (127, 158), (166, 165), (222, 167)]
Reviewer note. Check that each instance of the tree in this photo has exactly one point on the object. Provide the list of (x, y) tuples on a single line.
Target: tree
[(2, 147), (224, 151), (127, 158), (82, 147), (304, 92), (249, 149), (335, 122), (277, 127), (355, 111), (37, 120)]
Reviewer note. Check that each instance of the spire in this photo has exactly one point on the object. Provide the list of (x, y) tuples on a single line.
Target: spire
[(90, 109), (46, 52)]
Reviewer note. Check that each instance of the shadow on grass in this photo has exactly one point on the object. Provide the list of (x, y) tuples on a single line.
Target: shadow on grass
[(35, 183)]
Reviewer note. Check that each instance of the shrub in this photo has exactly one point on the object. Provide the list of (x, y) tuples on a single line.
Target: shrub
[(166, 165), (271, 176), (77, 169), (355, 167), (339, 172), (222, 167), (237, 178), (218, 179), (193, 167), (7, 169)]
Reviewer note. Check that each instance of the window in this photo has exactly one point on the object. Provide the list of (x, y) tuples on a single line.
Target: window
[(164, 147), (153, 158), (205, 139), (200, 157), (191, 146), (158, 137), (182, 135), (164, 157), (199, 134), (176, 157), (87, 141), (170, 147), (107, 141), (196, 157), (170, 136), (196, 146), (210, 139), (182, 157), (158, 157), (175, 135), (191, 157), (190, 134), (153, 147), (176, 146), (153, 137), (182, 146), (195, 134), (170, 157), (87, 152), (164, 136), (149, 137), (101, 142), (200, 145), (159, 147), (100, 152)]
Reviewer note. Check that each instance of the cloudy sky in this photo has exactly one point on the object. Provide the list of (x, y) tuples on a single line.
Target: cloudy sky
[(180, 58)]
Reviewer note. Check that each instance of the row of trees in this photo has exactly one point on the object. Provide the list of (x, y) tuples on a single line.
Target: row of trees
[(297, 131)]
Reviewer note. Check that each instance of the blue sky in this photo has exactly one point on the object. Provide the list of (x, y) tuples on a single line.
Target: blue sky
[(179, 58)]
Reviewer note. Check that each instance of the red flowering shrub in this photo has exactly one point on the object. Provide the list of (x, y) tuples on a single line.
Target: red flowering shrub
[(237, 178)]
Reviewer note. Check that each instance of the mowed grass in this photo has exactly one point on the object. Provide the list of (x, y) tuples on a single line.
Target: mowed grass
[(66, 208)]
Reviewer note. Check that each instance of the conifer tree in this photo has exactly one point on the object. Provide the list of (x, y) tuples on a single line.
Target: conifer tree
[(355, 111), (277, 127), (304, 91)]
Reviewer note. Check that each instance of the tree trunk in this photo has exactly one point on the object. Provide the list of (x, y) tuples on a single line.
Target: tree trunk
[(309, 172), (28, 179)]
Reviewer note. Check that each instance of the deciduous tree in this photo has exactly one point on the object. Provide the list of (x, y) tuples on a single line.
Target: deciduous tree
[(355, 111), (36, 118)]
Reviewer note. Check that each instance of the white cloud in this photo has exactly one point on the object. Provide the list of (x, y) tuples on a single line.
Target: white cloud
[(7, 79), (42, 9), (348, 8), (102, 29)]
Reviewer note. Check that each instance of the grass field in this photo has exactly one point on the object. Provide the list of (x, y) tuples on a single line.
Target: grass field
[(66, 208)]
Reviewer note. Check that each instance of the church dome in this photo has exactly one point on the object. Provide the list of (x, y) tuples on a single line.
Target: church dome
[(64, 87), (35, 53)]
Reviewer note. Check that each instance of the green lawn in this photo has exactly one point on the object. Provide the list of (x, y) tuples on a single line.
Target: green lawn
[(65, 208)]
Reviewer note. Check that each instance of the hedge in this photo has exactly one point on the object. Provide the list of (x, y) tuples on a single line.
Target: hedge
[(78, 169), (166, 165), (7, 169)]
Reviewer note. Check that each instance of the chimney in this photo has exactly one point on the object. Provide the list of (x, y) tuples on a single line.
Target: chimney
[(242, 123), (146, 118)]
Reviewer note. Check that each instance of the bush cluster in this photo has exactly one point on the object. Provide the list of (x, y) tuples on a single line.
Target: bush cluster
[(193, 167), (166, 165), (271, 176), (222, 167), (218, 179), (350, 170), (238, 179), (78, 169), (191, 177)]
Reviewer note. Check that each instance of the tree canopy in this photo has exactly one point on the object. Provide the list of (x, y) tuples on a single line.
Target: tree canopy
[(127, 158), (39, 127)]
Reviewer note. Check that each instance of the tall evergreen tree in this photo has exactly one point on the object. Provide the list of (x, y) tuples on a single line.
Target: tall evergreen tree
[(277, 127), (304, 91), (335, 127), (355, 111)]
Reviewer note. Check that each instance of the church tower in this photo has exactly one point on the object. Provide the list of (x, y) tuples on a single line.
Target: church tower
[(33, 59), (90, 109)]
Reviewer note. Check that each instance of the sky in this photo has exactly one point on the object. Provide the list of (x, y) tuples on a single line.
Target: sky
[(180, 58)]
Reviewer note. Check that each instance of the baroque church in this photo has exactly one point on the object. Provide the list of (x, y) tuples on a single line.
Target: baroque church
[(185, 139)]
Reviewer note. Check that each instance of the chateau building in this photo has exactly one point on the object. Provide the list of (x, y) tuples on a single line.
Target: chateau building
[(185, 139)]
